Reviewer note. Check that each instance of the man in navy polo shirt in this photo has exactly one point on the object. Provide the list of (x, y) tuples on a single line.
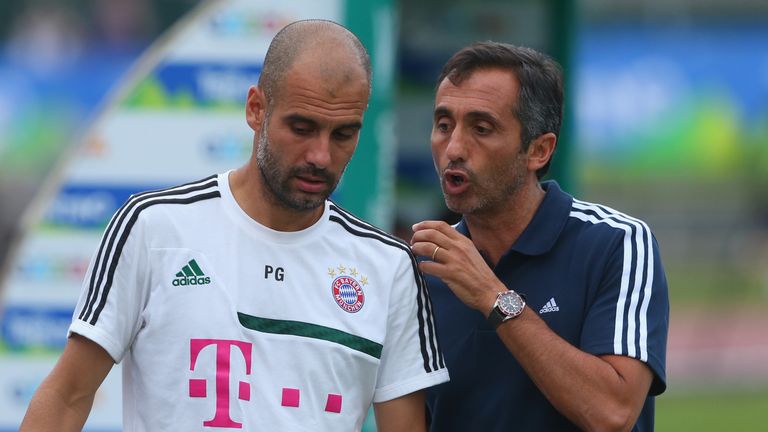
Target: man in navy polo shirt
[(552, 312)]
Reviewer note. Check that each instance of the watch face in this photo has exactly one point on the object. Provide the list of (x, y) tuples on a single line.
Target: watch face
[(510, 303)]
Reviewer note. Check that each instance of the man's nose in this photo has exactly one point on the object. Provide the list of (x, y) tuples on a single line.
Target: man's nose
[(456, 148), (319, 151)]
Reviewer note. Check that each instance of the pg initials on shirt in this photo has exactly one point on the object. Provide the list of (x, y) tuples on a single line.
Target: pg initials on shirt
[(278, 273)]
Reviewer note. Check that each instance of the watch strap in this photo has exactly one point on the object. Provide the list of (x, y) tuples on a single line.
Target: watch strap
[(496, 318)]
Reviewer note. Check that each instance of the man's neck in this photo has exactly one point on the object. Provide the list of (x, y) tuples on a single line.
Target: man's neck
[(494, 232)]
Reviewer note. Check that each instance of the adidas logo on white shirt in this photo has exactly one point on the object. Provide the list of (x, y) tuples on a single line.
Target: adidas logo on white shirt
[(551, 306), (191, 274)]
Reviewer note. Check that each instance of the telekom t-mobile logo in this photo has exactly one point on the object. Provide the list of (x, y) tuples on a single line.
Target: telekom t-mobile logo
[(197, 387), (224, 348)]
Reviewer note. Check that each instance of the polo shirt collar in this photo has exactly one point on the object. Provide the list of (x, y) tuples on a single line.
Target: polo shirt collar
[(545, 227)]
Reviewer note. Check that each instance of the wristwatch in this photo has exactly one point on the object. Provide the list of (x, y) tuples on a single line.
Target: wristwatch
[(509, 304)]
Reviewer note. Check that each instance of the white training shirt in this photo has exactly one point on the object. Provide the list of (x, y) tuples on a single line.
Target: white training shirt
[(226, 324)]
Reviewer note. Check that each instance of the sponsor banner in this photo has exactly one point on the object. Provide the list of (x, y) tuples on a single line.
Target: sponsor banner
[(242, 29), (44, 270), (195, 85), (173, 147), (35, 327), (17, 388), (227, 148), (88, 206), (50, 267)]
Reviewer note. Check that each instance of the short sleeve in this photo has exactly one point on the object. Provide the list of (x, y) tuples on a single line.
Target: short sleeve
[(411, 359), (115, 287), (630, 313)]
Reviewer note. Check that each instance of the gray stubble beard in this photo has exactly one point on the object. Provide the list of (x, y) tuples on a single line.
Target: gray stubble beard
[(277, 180)]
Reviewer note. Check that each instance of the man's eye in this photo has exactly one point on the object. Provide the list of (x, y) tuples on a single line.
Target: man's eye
[(343, 134), (442, 126), (301, 129), (482, 130)]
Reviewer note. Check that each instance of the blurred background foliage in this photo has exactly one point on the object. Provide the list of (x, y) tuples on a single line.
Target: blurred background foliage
[(667, 120)]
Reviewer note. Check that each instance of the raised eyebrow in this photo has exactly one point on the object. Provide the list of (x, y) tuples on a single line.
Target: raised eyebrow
[(441, 111), (483, 115)]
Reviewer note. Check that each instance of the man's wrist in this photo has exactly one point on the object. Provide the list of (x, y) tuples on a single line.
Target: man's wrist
[(508, 305), (489, 303), (490, 296)]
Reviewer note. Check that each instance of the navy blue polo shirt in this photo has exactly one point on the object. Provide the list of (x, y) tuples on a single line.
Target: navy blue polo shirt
[(594, 275)]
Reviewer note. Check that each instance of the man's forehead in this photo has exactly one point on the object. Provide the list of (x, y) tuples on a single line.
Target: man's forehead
[(309, 105), (489, 80), (483, 90), (332, 79)]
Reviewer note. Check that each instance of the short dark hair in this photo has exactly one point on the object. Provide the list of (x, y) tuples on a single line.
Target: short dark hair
[(539, 105), (290, 42)]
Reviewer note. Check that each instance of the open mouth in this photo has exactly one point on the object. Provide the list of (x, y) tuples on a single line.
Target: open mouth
[(455, 179)]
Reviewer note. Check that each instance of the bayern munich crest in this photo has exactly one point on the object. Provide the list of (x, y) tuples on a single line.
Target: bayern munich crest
[(347, 291)]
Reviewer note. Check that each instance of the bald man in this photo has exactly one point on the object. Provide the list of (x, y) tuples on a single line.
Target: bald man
[(248, 300)]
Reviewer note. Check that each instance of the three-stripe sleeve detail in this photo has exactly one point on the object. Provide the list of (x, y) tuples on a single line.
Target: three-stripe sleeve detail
[(636, 286), (431, 354), (118, 230)]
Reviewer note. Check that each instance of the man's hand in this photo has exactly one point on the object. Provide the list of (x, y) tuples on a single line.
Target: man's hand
[(456, 260)]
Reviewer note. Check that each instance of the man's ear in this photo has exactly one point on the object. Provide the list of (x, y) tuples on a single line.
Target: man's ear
[(255, 108), (540, 151)]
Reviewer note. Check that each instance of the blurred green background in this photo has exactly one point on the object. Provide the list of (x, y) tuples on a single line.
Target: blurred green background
[(667, 120)]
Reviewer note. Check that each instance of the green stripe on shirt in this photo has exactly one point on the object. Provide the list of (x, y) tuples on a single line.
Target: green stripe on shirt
[(298, 328)]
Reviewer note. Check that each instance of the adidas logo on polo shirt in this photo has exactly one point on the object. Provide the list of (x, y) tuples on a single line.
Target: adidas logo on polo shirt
[(191, 274), (551, 306)]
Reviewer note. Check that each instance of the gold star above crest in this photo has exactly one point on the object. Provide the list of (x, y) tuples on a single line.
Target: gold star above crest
[(342, 269), (363, 280), (353, 272), (331, 272)]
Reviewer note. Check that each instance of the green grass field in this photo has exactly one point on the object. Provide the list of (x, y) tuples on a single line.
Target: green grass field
[(723, 411), (716, 411)]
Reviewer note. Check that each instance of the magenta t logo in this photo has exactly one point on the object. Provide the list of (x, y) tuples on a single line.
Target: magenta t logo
[(197, 387)]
